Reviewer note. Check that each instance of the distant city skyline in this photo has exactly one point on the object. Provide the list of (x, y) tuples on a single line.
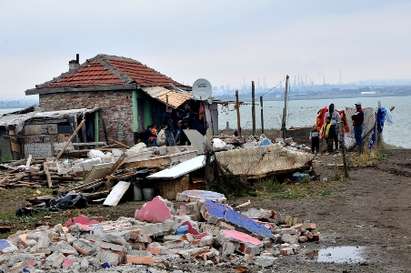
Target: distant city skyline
[(229, 42)]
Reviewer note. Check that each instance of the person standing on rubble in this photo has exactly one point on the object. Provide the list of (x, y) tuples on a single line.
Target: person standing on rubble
[(315, 140), (152, 138), (334, 128), (358, 121), (325, 134), (180, 137)]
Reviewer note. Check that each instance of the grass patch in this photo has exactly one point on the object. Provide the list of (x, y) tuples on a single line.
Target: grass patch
[(368, 158), (272, 188)]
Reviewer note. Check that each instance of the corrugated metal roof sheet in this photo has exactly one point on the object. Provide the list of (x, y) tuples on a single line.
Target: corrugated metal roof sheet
[(18, 120), (174, 98)]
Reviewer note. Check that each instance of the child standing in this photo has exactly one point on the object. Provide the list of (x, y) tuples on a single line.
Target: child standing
[(315, 140), (325, 133)]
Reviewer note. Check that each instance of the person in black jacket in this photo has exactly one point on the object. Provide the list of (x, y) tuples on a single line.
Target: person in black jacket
[(358, 121)]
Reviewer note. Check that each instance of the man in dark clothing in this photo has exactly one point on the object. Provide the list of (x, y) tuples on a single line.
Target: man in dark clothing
[(358, 120), (334, 129)]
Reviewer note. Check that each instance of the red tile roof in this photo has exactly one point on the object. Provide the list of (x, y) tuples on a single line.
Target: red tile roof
[(106, 70), (93, 73)]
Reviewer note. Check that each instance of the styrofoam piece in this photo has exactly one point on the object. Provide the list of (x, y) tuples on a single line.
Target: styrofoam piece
[(116, 194), (180, 169)]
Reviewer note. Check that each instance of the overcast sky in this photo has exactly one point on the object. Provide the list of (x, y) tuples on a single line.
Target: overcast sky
[(225, 41)]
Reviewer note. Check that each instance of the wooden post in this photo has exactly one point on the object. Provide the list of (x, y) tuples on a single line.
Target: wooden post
[(253, 105), (237, 107), (103, 125), (71, 137), (284, 119), (48, 176), (74, 126), (96, 126), (262, 114), (346, 175)]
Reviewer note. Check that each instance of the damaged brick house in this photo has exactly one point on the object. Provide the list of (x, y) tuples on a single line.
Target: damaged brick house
[(130, 95)]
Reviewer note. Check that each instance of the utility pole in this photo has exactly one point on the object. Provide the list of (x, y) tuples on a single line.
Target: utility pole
[(283, 123), (253, 105), (262, 114), (237, 107)]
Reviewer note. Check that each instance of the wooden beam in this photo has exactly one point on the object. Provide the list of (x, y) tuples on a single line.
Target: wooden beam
[(71, 138), (43, 91), (262, 114), (47, 172), (237, 107), (284, 119)]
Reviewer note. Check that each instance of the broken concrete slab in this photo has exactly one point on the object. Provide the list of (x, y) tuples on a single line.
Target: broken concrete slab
[(112, 258), (55, 260), (64, 248), (84, 247)]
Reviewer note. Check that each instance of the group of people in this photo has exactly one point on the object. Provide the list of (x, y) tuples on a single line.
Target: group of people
[(330, 123), (171, 132)]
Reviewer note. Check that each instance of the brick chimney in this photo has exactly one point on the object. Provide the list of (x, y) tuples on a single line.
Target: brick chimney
[(74, 64)]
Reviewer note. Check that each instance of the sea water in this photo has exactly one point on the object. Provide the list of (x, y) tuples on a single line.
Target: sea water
[(302, 113)]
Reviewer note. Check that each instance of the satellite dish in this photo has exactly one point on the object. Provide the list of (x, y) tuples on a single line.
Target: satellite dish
[(202, 89)]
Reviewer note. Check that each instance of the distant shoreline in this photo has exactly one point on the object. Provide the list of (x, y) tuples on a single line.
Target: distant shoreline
[(320, 97)]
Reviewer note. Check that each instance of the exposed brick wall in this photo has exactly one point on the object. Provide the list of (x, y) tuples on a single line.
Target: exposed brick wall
[(115, 109)]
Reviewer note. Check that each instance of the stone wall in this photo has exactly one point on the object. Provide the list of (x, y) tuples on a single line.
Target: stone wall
[(115, 109)]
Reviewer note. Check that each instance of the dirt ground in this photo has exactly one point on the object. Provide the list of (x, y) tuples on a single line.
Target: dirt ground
[(371, 209)]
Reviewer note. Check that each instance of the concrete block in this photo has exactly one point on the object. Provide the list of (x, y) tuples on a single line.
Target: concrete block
[(206, 241), (193, 252), (55, 260), (64, 248), (227, 248), (249, 249), (84, 247), (106, 256), (289, 238), (113, 247), (286, 251), (140, 260), (302, 239)]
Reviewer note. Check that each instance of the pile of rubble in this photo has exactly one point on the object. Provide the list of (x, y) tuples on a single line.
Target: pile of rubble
[(198, 229)]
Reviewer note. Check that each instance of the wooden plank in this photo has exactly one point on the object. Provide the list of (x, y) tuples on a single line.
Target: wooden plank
[(161, 161), (47, 172), (237, 108), (116, 194), (71, 138), (28, 162), (253, 106)]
